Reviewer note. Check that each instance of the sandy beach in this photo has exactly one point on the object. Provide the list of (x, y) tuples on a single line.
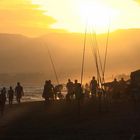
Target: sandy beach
[(60, 120)]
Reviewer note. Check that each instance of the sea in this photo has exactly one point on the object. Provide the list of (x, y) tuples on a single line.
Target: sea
[(31, 92)]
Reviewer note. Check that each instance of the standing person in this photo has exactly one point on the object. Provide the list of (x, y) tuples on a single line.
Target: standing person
[(93, 87), (51, 90), (57, 92), (19, 92), (1, 110), (45, 94), (115, 89), (10, 95), (122, 86), (70, 91), (87, 90), (3, 100), (48, 90), (78, 90), (78, 96)]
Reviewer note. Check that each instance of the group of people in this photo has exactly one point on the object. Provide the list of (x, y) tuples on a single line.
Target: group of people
[(51, 92), (74, 90), (117, 89), (77, 91), (9, 95)]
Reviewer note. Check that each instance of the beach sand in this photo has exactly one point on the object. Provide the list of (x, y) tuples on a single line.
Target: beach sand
[(63, 121)]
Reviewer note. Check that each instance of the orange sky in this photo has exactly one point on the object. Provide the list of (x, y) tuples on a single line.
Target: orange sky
[(38, 17), (30, 17), (22, 17)]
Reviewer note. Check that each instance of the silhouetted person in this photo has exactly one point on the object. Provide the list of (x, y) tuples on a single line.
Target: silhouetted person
[(48, 90), (3, 99), (57, 92), (78, 96), (1, 110), (78, 90), (19, 92), (70, 90), (122, 87), (87, 90), (10, 95), (115, 89), (122, 82), (93, 87)]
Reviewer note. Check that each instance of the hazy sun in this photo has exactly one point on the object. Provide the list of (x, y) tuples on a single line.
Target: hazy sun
[(97, 15), (73, 15)]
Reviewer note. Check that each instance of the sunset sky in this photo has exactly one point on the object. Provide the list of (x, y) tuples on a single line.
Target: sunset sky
[(37, 17), (46, 19)]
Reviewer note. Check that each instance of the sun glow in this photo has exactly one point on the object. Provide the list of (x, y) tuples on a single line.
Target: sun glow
[(97, 15), (72, 15)]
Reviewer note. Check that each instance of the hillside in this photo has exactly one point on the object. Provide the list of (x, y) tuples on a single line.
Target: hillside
[(20, 54)]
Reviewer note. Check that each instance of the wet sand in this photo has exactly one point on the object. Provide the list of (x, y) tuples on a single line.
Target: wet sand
[(64, 121)]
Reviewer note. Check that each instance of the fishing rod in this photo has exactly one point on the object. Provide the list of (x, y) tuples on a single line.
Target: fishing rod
[(52, 63), (106, 51), (83, 58), (98, 51), (95, 54), (102, 66)]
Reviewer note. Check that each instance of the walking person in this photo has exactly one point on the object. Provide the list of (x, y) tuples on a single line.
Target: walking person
[(10, 96), (2, 100), (19, 92)]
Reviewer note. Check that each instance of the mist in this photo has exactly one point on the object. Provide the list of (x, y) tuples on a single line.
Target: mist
[(23, 55)]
